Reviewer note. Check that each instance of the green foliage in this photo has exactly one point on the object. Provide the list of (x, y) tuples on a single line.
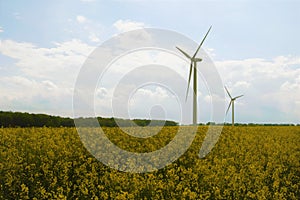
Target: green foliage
[(247, 163), (18, 119)]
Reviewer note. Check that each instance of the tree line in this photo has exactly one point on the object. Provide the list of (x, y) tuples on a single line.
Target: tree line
[(250, 124), (20, 119)]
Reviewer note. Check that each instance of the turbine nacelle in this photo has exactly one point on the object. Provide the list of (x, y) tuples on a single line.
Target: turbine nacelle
[(192, 59), (196, 59)]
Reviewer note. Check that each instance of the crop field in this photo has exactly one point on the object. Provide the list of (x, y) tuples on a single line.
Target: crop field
[(259, 162)]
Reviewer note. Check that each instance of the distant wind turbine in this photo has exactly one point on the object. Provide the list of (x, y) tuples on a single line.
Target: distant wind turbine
[(232, 103), (193, 67)]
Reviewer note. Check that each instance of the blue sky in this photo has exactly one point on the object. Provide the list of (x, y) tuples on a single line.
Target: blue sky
[(255, 46)]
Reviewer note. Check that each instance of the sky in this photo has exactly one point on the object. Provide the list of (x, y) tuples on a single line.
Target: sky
[(253, 44)]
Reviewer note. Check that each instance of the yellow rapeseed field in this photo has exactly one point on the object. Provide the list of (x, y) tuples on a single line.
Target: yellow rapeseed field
[(246, 163)]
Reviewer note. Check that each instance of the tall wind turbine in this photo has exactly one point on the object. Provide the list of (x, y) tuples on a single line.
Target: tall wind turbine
[(232, 103), (193, 68)]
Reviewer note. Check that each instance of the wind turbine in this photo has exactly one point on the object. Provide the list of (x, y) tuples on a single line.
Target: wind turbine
[(193, 67), (232, 103)]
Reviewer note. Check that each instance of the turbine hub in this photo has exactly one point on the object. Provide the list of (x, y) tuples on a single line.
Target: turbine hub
[(197, 59)]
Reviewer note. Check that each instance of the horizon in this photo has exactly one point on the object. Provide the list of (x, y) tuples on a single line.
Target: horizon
[(227, 123), (253, 44)]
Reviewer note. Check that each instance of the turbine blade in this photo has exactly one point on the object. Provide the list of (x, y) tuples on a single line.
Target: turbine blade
[(228, 107), (190, 75), (228, 93), (184, 53), (201, 43), (238, 96)]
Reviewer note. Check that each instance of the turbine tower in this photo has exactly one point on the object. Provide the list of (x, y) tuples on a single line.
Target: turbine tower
[(231, 103), (193, 68)]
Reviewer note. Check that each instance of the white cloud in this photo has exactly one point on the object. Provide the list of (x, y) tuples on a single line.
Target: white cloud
[(127, 25), (88, 28), (211, 52), (158, 94), (145, 99), (24, 94), (47, 76), (61, 61), (81, 19), (1, 29), (101, 92), (242, 84), (94, 38), (49, 85)]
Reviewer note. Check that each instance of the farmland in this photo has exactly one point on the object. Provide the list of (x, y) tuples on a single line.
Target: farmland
[(256, 162)]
